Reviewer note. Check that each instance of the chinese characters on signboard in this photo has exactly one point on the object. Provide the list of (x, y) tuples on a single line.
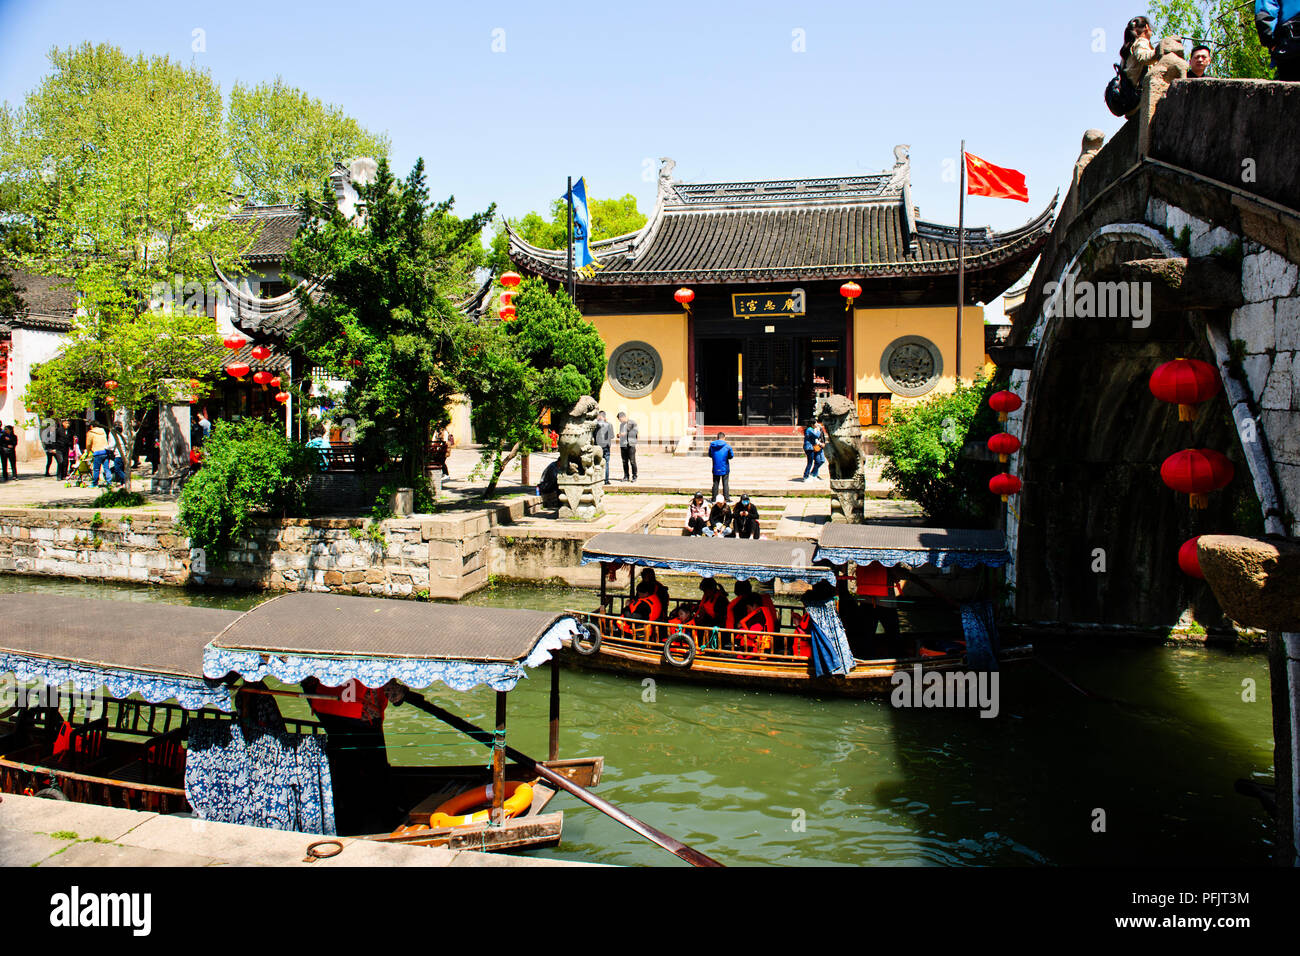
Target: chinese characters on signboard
[(767, 305)]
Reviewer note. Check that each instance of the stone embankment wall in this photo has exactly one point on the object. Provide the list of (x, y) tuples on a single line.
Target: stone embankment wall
[(435, 556)]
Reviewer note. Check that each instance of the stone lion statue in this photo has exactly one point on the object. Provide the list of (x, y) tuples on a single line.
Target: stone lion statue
[(843, 453), (579, 453)]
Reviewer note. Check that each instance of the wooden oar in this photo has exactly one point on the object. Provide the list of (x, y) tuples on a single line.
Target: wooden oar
[(689, 854)]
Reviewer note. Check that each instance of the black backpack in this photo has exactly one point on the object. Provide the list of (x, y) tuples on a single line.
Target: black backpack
[(1122, 97)]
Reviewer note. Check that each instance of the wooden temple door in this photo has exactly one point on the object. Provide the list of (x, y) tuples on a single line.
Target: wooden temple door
[(769, 380)]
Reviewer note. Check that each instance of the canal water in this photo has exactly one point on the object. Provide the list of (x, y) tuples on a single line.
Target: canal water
[(1141, 772)]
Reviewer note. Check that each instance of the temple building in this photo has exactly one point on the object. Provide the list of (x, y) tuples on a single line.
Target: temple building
[(768, 330)]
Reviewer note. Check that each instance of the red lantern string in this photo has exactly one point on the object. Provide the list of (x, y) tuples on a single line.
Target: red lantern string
[(1196, 472), (1186, 382), (1003, 444), (1189, 559), (1005, 485), (850, 290), (1004, 403)]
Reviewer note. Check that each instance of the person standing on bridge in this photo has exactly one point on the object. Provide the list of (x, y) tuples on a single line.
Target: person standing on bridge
[(1278, 25), (1199, 62), (1138, 53)]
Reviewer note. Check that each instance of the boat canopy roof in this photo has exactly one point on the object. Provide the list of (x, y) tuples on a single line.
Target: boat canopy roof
[(710, 557), (892, 545), (337, 639), (125, 647)]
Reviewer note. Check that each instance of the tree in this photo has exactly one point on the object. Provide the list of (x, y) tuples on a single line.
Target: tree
[(548, 357), (923, 444), (119, 177), (150, 358), (609, 218), (385, 322), (283, 142), (248, 466), (1227, 27)]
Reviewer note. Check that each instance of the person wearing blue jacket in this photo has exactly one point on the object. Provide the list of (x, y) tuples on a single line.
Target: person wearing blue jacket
[(721, 454), (813, 442), (1278, 25)]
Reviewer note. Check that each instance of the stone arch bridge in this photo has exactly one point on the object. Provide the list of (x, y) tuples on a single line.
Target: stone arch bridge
[(1180, 237)]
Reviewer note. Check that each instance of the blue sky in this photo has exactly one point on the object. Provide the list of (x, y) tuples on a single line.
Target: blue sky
[(604, 89)]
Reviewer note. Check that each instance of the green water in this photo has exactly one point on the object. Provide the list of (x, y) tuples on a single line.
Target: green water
[(751, 777)]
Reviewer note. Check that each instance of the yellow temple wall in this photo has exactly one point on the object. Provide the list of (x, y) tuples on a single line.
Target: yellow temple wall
[(875, 328), (661, 415)]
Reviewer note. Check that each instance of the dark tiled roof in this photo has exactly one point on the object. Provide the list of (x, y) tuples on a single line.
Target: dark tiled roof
[(51, 302), (274, 322), (841, 228), (275, 227)]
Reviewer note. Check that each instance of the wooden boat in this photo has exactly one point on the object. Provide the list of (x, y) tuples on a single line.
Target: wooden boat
[(140, 680), (773, 659)]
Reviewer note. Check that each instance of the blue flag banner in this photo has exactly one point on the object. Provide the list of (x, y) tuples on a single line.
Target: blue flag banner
[(582, 257)]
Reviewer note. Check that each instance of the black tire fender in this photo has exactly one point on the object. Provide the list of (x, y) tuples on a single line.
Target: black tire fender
[(682, 663), (591, 633)]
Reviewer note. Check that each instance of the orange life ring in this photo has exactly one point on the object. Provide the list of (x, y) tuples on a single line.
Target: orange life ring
[(519, 797)]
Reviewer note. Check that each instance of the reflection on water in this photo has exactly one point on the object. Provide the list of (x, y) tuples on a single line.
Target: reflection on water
[(754, 777)]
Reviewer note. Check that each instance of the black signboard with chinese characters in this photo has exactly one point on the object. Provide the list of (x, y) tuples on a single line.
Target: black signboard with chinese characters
[(767, 305)]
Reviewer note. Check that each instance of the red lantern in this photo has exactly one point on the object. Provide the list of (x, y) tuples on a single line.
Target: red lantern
[(872, 580), (275, 382), (196, 456), (1189, 560), (1187, 382), (1003, 444), (110, 400), (510, 280), (195, 383), (110, 385), (261, 353), (194, 399), (1197, 472), (506, 297), (281, 397), (684, 296), (237, 370), (507, 312), (235, 342), (262, 378), (1004, 485), (1004, 403), (850, 290)]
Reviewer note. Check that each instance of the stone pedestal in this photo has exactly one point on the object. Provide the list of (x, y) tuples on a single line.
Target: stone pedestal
[(402, 502), (582, 496), (847, 496), (173, 448)]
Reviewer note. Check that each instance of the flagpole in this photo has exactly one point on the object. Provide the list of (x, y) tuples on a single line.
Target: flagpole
[(961, 258), (569, 218)]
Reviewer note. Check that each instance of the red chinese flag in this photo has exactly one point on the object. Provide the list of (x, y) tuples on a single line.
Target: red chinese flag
[(985, 179)]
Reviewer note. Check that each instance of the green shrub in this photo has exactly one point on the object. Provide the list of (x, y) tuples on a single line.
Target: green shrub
[(119, 498), (248, 466), (923, 444)]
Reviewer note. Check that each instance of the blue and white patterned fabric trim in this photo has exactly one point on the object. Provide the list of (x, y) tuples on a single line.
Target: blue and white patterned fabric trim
[(742, 572), (891, 557), (830, 645), (415, 673), (190, 692)]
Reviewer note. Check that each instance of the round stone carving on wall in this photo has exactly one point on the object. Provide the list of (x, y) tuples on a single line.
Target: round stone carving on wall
[(911, 365), (635, 368)]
